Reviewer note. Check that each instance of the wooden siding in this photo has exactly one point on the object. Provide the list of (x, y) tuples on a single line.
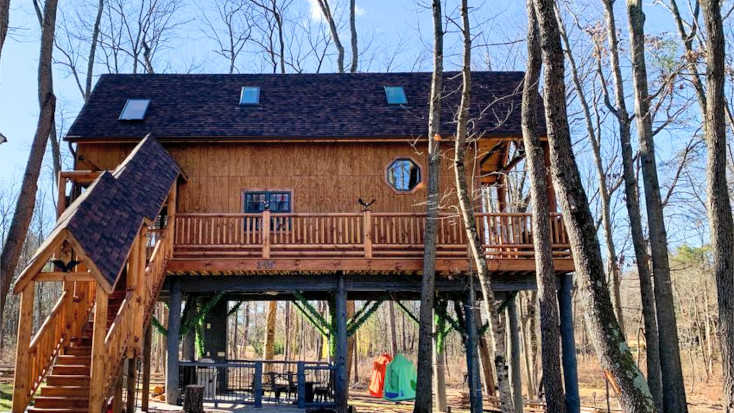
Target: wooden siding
[(324, 177)]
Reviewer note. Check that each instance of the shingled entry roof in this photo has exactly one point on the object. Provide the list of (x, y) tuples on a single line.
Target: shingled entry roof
[(311, 106), (105, 219)]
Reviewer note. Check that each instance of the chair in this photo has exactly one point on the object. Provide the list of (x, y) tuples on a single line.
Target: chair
[(292, 386), (274, 387), (324, 393)]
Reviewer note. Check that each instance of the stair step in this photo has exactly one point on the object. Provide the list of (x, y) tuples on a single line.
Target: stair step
[(59, 402), (66, 391), (70, 369), (67, 380), (59, 410), (79, 351), (77, 360)]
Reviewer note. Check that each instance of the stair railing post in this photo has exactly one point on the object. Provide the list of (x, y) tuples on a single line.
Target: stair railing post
[(257, 385), (23, 357), (266, 233), (367, 234), (97, 379), (301, 383)]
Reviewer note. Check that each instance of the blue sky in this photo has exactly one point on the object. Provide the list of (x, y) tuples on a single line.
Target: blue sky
[(387, 29)]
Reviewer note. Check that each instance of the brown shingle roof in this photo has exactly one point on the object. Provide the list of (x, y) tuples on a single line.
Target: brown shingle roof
[(105, 219), (293, 106)]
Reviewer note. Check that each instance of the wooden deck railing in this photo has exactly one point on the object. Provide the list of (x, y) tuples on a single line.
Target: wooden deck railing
[(365, 235)]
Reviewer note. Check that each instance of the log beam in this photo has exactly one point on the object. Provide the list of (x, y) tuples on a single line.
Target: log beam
[(568, 345)]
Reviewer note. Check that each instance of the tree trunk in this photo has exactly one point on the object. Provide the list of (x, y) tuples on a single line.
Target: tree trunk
[(269, 347), (632, 202), (18, 229), (485, 357), (545, 273), (4, 22), (424, 385), (439, 376), (353, 30), (329, 17), (719, 206), (489, 304), (393, 329), (673, 390), (612, 351)]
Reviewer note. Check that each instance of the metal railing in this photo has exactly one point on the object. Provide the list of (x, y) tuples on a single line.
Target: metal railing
[(258, 382)]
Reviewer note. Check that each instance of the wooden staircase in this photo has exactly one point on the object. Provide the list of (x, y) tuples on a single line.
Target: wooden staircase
[(79, 362), (67, 384)]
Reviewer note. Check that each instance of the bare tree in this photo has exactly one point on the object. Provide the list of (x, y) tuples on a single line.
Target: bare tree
[(632, 201), (466, 206), (424, 382), (27, 197), (719, 205), (331, 21), (544, 269), (612, 351), (673, 390), (230, 28)]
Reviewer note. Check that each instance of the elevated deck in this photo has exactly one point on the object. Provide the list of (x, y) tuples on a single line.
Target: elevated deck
[(367, 242)]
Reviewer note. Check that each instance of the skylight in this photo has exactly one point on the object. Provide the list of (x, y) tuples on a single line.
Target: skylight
[(395, 95), (135, 109), (250, 95)]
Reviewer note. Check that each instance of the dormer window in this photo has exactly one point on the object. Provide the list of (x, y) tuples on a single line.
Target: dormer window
[(134, 109), (395, 95), (249, 96)]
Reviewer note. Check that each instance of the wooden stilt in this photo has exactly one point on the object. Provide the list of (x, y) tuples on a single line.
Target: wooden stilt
[(132, 369), (174, 326), (147, 345), (515, 372), (22, 361), (568, 345), (472, 355), (341, 379), (117, 395), (99, 355)]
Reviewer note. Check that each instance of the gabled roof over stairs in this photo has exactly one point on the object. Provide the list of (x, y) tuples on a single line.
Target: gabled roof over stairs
[(102, 223)]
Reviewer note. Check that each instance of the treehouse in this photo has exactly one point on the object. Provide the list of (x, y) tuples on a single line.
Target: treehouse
[(260, 187)]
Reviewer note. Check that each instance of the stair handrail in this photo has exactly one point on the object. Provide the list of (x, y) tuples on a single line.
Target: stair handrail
[(46, 343), (117, 341), (127, 327)]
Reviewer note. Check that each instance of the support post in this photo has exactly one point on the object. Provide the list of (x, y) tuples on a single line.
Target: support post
[(257, 386), (341, 381), (301, 383), (61, 200), (472, 365), (22, 360), (99, 355), (516, 375), (568, 345), (132, 369), (147, 346), (266, 234), (367, 230), (174, 326)]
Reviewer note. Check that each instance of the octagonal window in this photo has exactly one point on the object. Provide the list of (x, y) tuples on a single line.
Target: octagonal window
[(403, 174)]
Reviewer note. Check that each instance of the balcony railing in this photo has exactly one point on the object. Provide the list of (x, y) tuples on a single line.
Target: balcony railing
[(355, 235)]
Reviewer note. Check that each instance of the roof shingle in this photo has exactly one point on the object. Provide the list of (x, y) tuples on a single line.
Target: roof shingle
[(294, 106)]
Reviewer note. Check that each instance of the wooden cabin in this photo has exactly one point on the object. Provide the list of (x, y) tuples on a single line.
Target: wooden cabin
[(319, 179)]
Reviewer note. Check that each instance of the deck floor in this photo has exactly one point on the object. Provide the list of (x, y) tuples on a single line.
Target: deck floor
[(357, 398)]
